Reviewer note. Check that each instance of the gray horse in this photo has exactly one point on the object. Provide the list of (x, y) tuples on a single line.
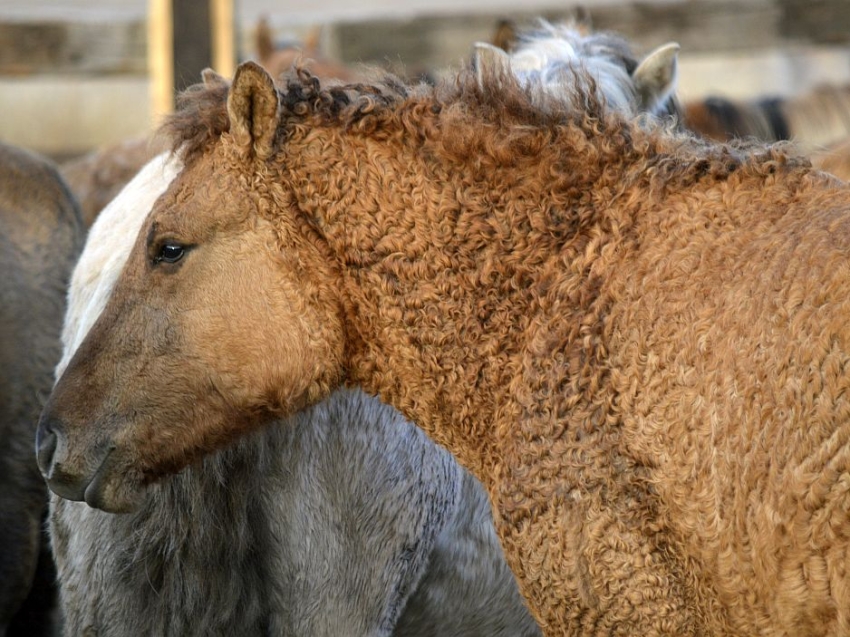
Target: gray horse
[(40, 237)]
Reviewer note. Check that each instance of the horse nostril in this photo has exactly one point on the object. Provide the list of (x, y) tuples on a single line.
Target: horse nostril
[(45, 445)]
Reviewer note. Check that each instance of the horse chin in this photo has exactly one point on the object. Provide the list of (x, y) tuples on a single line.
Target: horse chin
[(113, 488)]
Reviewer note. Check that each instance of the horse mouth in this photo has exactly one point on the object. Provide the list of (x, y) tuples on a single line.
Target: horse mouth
[(93, 493), (108, 488), (67, 488)]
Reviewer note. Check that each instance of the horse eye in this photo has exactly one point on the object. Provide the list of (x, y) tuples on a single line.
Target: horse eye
[(170, 253)]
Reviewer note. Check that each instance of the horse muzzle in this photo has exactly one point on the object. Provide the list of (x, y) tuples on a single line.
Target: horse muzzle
[(62, 477)]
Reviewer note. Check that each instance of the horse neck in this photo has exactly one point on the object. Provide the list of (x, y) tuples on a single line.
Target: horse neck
[(440, 263)]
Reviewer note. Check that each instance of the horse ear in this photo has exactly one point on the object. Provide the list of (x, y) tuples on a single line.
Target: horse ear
[(212, 79), (312, 40), (582, 20), (489, 61), (264, 39), (253, 109), (505, 36), (655, 76)]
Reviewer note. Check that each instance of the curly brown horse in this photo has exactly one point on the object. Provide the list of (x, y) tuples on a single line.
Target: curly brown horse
[(637, 341)]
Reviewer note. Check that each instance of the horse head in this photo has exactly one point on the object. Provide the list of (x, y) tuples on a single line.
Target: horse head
[(183, 357)]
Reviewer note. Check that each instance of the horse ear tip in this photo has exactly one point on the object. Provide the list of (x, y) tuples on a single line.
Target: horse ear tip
[(250, 65), (210, 77), (252, 69), (669, 50)]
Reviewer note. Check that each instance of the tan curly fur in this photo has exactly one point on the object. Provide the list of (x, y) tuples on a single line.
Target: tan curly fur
[(636, 340), (834, 159)]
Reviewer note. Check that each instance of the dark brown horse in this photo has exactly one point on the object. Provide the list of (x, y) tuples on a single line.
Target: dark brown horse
[(812, 120), (40, 237), (637, 341)]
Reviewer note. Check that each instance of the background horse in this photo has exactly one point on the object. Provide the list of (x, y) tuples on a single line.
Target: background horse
[(40, 237), (813, 120), (278, 60), (548, 56), (818, 122), (97, 177)]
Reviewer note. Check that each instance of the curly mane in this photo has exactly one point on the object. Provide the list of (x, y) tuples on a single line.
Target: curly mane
[(495, 114), (201, 115)]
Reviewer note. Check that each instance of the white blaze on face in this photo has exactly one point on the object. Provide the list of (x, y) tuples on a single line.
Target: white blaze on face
[(107, 248)]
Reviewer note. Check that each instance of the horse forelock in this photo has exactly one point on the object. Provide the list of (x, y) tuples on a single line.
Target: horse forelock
[(201, 114), (199, 120)]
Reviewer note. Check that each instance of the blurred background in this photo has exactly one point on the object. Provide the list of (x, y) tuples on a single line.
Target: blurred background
[(80, 74)]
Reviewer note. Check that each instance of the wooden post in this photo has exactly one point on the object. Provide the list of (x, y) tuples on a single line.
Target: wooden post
[(160, 59), (184, 38), (224, 37)]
